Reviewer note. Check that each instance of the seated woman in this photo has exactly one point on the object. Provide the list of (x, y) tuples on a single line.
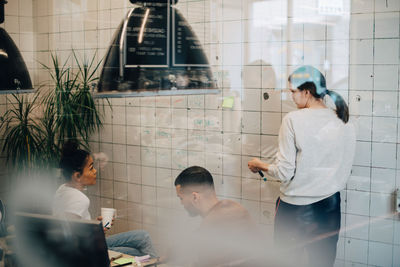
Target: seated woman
[(69, 201)]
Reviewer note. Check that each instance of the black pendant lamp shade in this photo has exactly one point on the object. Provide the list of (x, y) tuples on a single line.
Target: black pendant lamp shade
[(155, 49), (1, 12), (138, 2), (2, 3), (13, 72)]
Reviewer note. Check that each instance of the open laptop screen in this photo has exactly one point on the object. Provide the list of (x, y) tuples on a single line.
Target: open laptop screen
[(44, 240)]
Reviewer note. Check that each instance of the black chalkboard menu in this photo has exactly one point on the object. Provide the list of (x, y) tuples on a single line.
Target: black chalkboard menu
[(187, 49), (147, 36), (159, 51)]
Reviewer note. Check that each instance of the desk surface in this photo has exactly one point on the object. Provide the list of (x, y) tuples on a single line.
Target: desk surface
[(151, 262)]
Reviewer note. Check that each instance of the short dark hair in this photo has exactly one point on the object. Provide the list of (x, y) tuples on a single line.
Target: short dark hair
[(73, 159), (194, 175)]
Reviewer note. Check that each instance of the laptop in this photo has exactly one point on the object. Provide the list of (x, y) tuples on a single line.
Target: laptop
[(47, 241)]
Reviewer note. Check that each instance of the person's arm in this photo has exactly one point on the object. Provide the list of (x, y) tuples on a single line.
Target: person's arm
[(105, 229), (256, 165), (285, 164)]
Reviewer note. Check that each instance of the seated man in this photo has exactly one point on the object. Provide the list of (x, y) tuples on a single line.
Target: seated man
[(227, 235)]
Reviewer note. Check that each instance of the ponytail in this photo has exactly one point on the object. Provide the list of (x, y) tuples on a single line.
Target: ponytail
[(342, 110)]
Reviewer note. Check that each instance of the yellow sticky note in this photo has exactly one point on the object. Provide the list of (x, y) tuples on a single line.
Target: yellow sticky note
[(124, 260), (228, 102)]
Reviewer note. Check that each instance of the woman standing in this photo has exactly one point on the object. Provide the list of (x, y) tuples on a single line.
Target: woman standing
[(69, 201), (313, 163)]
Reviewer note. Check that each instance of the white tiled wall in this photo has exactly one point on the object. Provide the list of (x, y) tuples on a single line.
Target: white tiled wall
[(252, 46), (373, 98)]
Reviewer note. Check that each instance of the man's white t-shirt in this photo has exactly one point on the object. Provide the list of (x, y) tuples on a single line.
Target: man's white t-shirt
[(315, 155), (70, 200)]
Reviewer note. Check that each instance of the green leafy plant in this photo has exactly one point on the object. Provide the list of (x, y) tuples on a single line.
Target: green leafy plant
[(51, 152), (86, 106), (68, 112), (76, 114), (22, 134)]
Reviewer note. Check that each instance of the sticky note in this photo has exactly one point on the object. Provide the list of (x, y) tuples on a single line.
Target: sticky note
[(228, 102), (124, 260)]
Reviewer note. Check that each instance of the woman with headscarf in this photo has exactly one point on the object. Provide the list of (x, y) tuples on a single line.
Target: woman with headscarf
[(313, 163)]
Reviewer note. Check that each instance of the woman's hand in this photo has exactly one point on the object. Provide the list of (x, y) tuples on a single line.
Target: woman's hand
[(256, 165), (105, 229)]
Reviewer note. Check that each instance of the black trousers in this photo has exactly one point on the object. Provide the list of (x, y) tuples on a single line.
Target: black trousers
[(310, 231)]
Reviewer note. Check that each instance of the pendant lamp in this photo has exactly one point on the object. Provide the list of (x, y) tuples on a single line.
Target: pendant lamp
[(13, 72), (155, 50)]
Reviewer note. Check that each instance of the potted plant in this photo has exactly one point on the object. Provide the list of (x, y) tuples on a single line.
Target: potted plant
[(76, 114), (68, 112), (22, 133)]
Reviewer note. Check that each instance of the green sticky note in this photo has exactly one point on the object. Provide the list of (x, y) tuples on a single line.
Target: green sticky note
[(228, 102), (124, 260)]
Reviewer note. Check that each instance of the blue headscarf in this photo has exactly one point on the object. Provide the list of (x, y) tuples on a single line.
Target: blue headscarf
[(309, 74)]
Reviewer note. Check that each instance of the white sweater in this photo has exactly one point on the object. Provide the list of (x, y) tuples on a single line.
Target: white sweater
[(315, 155)]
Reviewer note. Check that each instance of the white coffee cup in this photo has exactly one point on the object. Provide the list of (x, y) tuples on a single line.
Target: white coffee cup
[(107, 214)]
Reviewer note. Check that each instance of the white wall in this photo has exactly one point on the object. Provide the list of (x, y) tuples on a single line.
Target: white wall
[(252, 47)]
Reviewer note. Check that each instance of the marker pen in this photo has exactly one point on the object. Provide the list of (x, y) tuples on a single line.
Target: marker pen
[(262, 175), (123, 264)]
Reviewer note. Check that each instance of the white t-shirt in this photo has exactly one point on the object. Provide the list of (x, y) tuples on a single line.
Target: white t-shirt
[(315, 155), (70, 200)]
